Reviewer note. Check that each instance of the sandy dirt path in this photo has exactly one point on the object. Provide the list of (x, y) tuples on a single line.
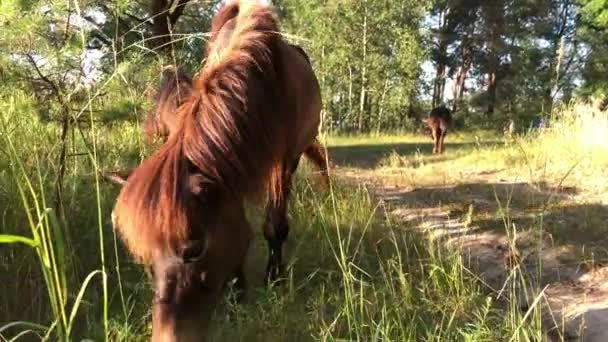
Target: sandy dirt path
[(506, 228)]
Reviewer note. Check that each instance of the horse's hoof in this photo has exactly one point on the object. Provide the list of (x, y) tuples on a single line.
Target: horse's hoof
[(274, 276), (240, 295), (239, 290)]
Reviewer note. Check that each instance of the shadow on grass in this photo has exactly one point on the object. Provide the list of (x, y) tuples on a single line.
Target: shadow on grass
[(535, 230), (574, 232), (369, 156), (596, 332)]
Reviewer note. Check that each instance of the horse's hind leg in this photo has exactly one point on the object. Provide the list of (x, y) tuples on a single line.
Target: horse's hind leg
[(240, 284), (441, 139), (317, 154), (276, 225), (434, 132)]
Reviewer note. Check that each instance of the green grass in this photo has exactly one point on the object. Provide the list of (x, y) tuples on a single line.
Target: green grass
[(355, 272)]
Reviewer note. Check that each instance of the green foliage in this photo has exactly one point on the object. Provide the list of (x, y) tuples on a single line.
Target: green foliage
[(367, 55), (76, 78), (593, 31), (366, 277), (515, 59), (596, 11)]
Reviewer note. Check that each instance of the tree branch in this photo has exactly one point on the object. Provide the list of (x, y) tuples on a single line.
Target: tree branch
[(46, 80), (164, 20)]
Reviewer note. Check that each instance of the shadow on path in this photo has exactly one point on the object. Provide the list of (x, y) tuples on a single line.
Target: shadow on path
[(366, 156), (502, 228)]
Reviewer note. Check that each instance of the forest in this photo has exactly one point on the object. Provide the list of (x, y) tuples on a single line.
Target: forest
[(382, 64), (404, 244)]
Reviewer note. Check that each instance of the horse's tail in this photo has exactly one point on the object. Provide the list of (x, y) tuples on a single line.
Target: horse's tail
[(229, 124), (317, 155)]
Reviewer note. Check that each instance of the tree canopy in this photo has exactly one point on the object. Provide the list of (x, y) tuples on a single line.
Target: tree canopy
[(382, 64)]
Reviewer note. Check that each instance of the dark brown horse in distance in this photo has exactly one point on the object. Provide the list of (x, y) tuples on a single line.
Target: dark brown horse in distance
[(253, 111), (439, 121)]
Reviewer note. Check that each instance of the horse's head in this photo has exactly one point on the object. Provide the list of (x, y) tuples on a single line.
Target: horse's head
[(184, 295), (192, 238), (189, 279)]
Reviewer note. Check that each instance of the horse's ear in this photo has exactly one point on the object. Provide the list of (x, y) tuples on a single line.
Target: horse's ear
[(168, 72), (118, 178)]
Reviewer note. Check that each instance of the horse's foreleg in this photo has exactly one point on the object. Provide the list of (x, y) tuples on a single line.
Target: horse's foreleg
[(117, 177), (276, 225)]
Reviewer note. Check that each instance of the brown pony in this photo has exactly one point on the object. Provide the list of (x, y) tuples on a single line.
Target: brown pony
[(253, 111), (439, 120)]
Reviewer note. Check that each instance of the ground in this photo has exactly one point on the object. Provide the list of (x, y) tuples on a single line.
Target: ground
[(497, 239), (503, 223)]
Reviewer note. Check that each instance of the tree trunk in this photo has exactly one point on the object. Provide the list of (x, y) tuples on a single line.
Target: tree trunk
[(557, 56), (494, 18), (360, 125), (466, 61), (381, 105), (165, 14), (459, 85), (410, 113), (493, 64), (350, 90), (492, 84), (439, 87)]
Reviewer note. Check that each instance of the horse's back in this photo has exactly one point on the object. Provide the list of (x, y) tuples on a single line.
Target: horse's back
[(441, 113), (301, 51), (440, 117)]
